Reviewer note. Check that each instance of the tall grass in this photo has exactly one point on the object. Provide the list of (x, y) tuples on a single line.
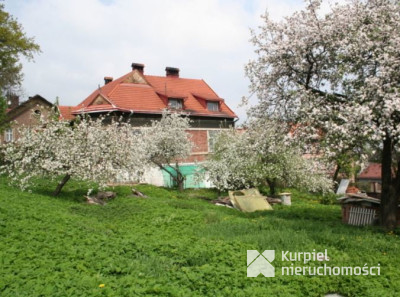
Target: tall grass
[(175, 244)]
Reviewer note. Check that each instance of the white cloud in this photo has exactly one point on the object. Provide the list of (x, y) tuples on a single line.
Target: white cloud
[(84, 40)]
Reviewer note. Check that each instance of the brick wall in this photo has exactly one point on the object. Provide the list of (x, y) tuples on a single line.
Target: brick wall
[(200, 149), (27, 117), (200, 140)]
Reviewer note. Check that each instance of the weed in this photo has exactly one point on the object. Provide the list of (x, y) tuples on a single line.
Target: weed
[(174, 244)]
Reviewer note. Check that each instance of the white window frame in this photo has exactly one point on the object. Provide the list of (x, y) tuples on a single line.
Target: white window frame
[(9, 135)]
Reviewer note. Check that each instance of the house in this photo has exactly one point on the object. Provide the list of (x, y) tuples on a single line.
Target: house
[(25, 114), (142, 98), (372, 176)]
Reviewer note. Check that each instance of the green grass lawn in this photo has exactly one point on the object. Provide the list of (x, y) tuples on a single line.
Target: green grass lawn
[(176, 244)]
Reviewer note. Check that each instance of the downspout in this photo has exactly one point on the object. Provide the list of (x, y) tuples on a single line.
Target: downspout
[(234, 122)]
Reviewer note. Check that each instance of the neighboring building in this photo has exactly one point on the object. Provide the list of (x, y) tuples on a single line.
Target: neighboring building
[(25, 114), (372, 175), (66, 113), (141, 98)]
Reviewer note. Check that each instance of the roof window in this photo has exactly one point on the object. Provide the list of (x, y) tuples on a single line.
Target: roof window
[(175, 103), (212, 106)]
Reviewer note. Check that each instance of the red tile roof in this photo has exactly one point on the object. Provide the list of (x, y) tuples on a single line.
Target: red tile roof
[(66, 112), (136, 92), (373, 171)]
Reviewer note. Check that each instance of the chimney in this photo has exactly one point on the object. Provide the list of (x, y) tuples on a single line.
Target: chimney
[(138, 67), (107, 79), (12, 100), (171, 71)]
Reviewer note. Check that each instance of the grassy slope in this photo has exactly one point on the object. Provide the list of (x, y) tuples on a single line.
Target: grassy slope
[(176, 245)]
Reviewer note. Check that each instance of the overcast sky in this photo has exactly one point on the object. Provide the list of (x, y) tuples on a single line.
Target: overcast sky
[(84, 40)]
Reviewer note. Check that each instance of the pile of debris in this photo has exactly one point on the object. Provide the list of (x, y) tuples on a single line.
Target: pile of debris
[(223, 201), (101, 198), (246, 200), (136, 193)]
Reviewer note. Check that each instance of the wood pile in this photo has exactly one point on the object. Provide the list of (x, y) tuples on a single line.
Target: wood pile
[(100, 198)]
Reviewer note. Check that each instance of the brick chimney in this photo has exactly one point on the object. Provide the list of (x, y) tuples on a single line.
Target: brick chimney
[(139, 67), (12, 100), (107, 79), (172, 71)]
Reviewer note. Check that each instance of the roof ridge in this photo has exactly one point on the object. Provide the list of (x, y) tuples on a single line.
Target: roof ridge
[(118, 82), (113, 89), (198, 79)]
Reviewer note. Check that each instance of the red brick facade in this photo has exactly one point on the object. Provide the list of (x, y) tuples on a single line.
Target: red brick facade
[(201, 149), (200, 139), (27, 114)]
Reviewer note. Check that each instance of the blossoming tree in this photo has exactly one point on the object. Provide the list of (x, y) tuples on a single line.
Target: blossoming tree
[(87, 150), (167, 144), (264, 154), (337, 73)]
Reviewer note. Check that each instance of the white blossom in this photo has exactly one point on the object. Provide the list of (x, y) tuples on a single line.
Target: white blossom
[(86, 150), (264, 153), (167, 144), (338, 74)]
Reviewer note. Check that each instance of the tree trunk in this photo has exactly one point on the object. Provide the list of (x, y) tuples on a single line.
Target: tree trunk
[(180, 181), (61, 184), (389, 198), (335, 175), (272, 186)]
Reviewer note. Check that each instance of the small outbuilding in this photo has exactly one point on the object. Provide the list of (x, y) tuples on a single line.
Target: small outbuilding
[(361, 209)]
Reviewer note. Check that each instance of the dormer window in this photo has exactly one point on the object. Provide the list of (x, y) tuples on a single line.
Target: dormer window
[(212, 106), (175, 103)]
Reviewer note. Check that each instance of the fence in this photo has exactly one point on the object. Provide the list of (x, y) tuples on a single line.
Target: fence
[(359, 216)]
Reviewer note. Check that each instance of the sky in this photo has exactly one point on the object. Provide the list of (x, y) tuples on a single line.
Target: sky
[(82, 41)]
